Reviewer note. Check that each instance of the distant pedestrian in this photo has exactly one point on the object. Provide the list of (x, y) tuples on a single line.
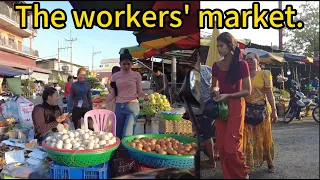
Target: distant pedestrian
[(162, 84), (68, 88)]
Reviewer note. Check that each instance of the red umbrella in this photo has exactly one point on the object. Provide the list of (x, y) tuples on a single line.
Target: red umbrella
[(190, 42)]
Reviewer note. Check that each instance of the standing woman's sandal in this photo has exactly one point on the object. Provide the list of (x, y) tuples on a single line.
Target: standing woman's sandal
[(271, 169)]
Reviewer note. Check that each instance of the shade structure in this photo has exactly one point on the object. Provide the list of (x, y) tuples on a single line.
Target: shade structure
[(307, 60), (10, 72), (144, 53), (291, 57), (135, 51), (265, 57), (155, 41), (241, 42), (189, 21), (213, 54)]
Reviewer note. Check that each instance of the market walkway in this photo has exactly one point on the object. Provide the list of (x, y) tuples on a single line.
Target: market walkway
[(296, 153)]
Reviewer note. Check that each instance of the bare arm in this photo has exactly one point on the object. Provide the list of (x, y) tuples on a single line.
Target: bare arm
[(110, 96), (213, 85), (270, 98), (246, 89), (139, 86), (108, 85)]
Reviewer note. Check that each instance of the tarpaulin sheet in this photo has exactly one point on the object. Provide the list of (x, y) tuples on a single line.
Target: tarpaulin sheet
[(14, 85), (11, 72)]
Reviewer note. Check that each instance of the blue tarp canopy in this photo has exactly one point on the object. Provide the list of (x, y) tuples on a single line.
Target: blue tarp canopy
[(11, 72)]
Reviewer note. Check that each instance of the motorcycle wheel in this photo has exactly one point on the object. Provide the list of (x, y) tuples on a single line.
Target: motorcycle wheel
[(288, 117), (315, 115)]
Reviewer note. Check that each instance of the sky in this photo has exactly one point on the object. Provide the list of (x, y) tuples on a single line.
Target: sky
[(107, 41), (110, 42)]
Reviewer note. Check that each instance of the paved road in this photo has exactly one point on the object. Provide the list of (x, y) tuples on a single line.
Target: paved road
[(296, 153)]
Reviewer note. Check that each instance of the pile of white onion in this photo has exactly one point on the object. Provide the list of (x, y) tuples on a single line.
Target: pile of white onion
[(80, 140)]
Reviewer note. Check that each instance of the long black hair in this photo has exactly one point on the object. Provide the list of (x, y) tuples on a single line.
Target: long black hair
[(234, 68), (69, 78), (49, 91), (115, 69), (126, 56)]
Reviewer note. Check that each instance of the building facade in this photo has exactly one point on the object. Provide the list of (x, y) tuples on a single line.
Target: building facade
[(13, 52), (106, 65), (60, 70)]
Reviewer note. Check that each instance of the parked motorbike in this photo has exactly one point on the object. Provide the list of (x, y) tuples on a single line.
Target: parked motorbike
[(315, 111), (298, 101)]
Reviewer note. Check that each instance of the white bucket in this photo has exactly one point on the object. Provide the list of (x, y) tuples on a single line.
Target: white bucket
[(139, 129), (154, 126)]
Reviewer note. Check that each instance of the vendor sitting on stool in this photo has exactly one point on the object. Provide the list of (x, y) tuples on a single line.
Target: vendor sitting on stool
[(48, 115)]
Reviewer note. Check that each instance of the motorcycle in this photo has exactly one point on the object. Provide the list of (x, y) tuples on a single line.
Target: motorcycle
[(298, 101), (315, 111)]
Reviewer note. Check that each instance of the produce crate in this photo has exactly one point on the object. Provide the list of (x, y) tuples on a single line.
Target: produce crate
[(101, 171), (281, 110), (182, 127)]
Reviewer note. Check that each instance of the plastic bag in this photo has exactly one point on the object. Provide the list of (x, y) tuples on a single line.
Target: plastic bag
[(25, 108), (9, 109), (22, 171), (181, 110), (223, 110)]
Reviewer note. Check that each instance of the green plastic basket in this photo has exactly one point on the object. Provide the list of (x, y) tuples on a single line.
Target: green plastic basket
[(173, 117), (158, 160), (81, 158)]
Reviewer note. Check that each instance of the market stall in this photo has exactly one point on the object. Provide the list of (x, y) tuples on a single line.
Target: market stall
[(66, 153)]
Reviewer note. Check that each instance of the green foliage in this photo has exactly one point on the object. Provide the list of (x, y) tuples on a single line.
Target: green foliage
[(305, 41), (102, 93), (28, 86), (61, 83), (94, 82), (285, 94)]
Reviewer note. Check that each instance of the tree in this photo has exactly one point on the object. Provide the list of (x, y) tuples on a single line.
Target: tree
[(276, 47), (94, 82), (305, 41)]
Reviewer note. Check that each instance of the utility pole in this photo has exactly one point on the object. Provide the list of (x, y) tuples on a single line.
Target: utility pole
[(59, 48), (94, 53), (280, 30), (71, 40)]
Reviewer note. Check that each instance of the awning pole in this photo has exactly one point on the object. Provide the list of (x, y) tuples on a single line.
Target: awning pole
[(143, 64), (174, 73)]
